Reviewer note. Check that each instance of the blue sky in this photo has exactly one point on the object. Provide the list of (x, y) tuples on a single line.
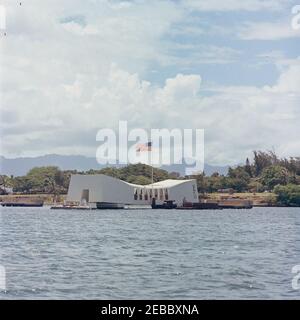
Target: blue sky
[(250, 64), (71, 67)]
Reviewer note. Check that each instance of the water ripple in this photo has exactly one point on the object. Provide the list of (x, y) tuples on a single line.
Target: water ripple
[(236, 254)]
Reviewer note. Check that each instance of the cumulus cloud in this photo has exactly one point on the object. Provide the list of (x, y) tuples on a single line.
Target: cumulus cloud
[(236, 119), (73, 69), (288, 81)]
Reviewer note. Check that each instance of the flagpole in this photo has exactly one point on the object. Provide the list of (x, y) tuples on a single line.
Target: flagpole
[(152, 181), (151, 172)]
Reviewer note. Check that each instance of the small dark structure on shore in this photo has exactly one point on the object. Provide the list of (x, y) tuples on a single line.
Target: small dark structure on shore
[(22, 204), (168, 204), (200, 206), (70, 207), (224, 204)]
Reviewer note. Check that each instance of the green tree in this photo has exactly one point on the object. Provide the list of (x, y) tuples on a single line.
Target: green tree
[(22, 184), (263, 160), (238, 179), (43, 179), (248, 168), (216, 182), (288, 195), (255, 186), (273, 176), (139, 180)]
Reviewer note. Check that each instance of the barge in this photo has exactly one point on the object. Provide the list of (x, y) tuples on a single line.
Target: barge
[(22, 204)]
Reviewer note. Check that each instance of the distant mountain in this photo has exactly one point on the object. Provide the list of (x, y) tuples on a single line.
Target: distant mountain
[(208, 169), (20, 166)]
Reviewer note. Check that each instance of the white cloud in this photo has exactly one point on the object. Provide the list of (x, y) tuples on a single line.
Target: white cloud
[(289, 80), (64, 81), (236, 5), (77, 29), (236, 119), (268, 31)]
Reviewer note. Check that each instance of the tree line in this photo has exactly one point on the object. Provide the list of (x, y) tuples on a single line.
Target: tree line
[(265, 172), (262, 174), (52, 180)]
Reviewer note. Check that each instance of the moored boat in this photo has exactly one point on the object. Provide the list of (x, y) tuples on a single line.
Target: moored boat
[(168, 204), (22, 204), (71, 207)]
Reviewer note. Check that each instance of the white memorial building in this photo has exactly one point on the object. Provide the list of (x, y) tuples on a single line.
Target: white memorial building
[(101, 190)]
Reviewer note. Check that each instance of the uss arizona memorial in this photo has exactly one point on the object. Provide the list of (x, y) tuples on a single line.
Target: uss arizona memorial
[(101, 191)]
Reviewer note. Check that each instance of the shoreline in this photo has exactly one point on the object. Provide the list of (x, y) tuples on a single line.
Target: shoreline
[(266, 199)]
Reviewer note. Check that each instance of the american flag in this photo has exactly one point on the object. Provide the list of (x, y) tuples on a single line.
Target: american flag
[(141, 147)]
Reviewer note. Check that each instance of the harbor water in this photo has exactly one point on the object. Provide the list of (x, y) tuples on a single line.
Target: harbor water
[(149, 254)]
